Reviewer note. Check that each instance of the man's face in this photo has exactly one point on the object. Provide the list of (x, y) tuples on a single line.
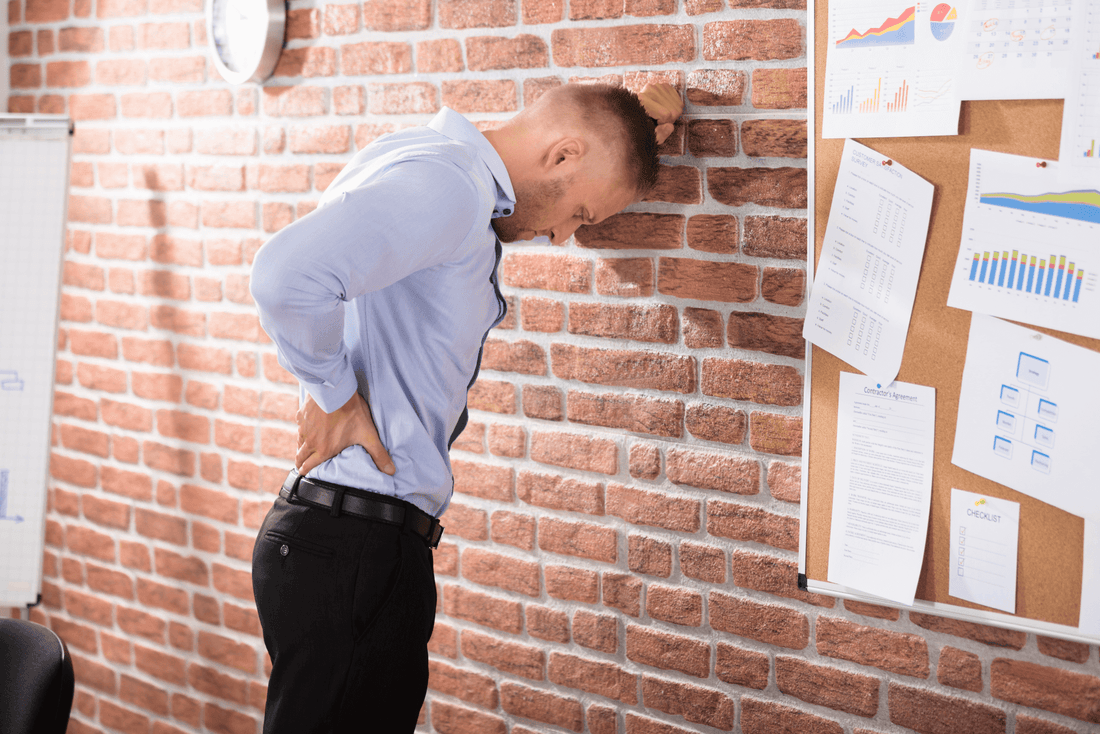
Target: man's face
[(555, 206)]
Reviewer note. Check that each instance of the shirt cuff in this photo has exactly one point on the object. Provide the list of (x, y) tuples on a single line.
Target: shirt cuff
[(333, 397)]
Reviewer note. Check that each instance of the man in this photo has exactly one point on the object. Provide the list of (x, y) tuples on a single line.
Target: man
[(379, 303)]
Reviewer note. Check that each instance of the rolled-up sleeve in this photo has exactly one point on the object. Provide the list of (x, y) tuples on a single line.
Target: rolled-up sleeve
[(414, 215)]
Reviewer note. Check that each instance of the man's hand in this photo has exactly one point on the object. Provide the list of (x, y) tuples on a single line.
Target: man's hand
[(662, 102), (323, 435)]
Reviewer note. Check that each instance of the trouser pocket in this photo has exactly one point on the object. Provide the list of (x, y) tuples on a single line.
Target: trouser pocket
[(288, 544)]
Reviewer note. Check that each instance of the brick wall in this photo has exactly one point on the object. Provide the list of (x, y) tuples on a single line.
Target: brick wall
[(620, 556)]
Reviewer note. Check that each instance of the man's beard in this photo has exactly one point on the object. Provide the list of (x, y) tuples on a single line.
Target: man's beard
[(533, 200)]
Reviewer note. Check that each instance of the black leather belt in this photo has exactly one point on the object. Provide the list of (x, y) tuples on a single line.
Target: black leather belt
[(338, 499)]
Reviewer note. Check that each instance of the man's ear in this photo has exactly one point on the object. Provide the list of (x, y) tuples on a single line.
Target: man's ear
[(568, 150)]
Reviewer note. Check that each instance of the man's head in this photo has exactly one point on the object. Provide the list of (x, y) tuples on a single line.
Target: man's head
[(579, 154)]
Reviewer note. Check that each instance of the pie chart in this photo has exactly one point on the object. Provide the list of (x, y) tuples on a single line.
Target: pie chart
[(943, 21)]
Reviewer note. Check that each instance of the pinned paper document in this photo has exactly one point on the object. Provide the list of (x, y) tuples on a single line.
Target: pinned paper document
[(866, 281), (985, 533)]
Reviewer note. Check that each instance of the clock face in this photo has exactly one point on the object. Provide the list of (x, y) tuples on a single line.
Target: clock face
[(246, 37)]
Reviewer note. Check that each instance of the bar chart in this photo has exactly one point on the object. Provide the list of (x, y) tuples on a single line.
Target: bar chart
[(1050, 277)]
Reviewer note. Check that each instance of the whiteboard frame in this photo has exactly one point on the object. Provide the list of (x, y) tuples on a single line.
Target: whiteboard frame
[(939, 609), (45, 123)]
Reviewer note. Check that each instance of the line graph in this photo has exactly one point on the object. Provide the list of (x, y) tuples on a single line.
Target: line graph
[(893, 32)]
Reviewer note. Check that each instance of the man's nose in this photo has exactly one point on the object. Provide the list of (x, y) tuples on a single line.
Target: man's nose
[(563, 232)]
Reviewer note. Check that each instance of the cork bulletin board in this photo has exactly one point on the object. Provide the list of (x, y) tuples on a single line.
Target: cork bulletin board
[(1051, 541)]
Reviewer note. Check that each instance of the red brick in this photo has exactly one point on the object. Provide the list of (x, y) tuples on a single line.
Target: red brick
[(74, 471), (483, 480), (560, 493), (769, 333), (752, 39), (543, 402), (993, 636), (871, 610), (85, 440), (625, 277), (511, 528), (757, 382), (678, 606), (623, 592), (397, 99), (502, 614), (896, 652), (522, 356), (712, 139), (959, 669), (526, 661), (631, 45), (467, 685), (505, 572), (1052, 689), (1033, 725), (443, 54), (106, 512), (572, 584), (450, 719), (776, 434), (716, 87), (766, 717), (486, 53), (657, 509), (659, 649), (649, 556), (634, 231), (575, 451), (772, 575), (826, 686), (507, 441), (644, 461), (539, 705), (741, 667), (657, 323), (776, 187), (932, 713), (476, 14), (1075, 652), (564, 273), (584, 540), (781, 89), (493, 396), (768, 623), (166, 458), (721, 472), (697, 704), (624, 368), (705, 280), (599, 677), (784, 286), (774, 138), (82, 276)]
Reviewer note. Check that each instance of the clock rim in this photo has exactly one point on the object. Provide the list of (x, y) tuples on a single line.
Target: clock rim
[(273, 45)]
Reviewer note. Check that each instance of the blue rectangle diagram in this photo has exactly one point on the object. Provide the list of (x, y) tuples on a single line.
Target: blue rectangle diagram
[(1040, 462), (1006, 421), (1002, 447), (1044, 436), (1010, 396), (1033, 370), (1048, 410)]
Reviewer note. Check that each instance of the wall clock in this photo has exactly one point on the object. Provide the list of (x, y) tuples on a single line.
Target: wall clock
[(246, 37)]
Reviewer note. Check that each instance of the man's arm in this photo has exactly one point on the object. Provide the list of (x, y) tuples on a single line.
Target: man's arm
[(412, 217), (662, 102)]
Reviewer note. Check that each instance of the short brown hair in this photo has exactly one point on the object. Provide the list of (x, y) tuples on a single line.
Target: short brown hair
[(616, 114)]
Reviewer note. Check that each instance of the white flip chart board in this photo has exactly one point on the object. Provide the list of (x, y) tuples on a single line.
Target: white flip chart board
[(34, 193)]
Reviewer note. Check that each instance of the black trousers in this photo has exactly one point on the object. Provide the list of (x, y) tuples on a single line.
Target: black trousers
[(347, 607)]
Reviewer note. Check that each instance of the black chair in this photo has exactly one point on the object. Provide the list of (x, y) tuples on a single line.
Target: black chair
[(36, 679)]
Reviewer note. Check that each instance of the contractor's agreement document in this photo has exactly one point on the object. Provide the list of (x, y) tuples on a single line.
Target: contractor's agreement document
[(1029, 414), (985, 533), (891, 69), (862, 297), (882, 487)]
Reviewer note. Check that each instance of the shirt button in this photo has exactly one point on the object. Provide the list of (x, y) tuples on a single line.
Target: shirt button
[(284, 549), (507, 212)]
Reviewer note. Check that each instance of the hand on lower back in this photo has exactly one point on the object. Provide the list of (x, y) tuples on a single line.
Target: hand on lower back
[(323, 435)]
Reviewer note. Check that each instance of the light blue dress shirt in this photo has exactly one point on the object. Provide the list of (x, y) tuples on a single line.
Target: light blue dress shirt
[(390, 287)]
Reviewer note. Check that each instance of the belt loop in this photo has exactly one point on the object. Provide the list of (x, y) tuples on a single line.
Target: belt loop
[(337, 502), (294, 487)]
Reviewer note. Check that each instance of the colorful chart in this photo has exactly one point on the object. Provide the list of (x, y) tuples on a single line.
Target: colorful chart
[(942, 21), (1052, 277), (894, 32), (1083, 205)]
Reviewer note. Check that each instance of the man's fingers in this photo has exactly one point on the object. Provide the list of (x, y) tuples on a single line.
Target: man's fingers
[(663, 131), (380, 456), (308, 465)]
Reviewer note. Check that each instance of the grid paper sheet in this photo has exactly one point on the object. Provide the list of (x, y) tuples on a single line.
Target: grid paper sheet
[(34, 183)]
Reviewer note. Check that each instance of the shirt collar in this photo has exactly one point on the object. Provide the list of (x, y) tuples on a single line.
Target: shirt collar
[(455, 126)]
